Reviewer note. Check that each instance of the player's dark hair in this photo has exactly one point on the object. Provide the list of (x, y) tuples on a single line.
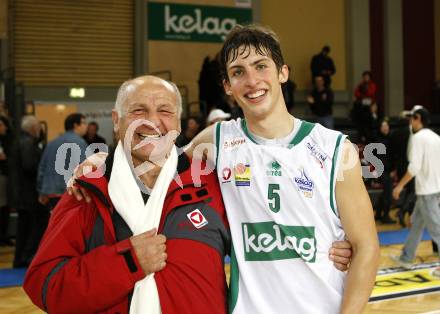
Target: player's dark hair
[(241, 39)]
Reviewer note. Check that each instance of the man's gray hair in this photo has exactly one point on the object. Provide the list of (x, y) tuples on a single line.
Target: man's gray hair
[(28, 122), (131, 85)]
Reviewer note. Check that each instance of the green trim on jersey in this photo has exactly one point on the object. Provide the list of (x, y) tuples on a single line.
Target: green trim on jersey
[(246, 131), (217, 142), (332, 174), (304, 130), (233, 283)]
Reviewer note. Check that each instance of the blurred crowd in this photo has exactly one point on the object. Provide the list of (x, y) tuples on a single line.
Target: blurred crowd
[(30, 184)]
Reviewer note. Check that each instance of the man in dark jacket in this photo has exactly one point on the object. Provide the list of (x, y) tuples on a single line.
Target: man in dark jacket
[(322, 65), (92, 136), (32, 216), (321, 103)]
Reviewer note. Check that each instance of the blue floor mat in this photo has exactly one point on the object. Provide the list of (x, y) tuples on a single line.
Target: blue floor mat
[(11, 277), (398, 236)]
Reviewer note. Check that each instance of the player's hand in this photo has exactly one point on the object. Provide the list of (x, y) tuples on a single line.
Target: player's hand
[(340, 254), (150, 250), (88, 166)]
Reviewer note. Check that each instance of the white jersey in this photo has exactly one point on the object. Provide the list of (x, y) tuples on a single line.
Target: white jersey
[(280, 202)]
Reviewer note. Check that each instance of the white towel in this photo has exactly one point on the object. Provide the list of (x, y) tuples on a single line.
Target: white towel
[(140, 217)]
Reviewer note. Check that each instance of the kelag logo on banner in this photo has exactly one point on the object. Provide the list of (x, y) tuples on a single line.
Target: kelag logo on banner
[(169, 21)]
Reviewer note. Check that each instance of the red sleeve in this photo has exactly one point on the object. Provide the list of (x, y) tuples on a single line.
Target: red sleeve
[(357, 93), (70, 280)]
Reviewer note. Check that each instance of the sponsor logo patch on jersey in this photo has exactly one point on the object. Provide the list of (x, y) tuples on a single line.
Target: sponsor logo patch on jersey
[(268, 241), (197, 218), (230, 144), (274, 169), (242, 174), (226, 175), (304, 184), (317, 153)]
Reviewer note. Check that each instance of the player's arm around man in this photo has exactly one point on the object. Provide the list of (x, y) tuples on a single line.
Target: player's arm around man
[(357, 219)]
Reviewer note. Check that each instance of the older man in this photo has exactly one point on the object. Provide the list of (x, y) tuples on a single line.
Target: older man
[(144, 244)]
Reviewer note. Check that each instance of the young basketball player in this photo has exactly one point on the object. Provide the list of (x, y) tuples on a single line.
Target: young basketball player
[(285, 205)]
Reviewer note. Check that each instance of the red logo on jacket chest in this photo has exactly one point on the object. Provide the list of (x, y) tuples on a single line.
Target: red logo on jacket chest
[(197, 218)]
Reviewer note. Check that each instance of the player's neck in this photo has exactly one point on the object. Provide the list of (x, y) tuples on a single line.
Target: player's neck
[(274, 125)]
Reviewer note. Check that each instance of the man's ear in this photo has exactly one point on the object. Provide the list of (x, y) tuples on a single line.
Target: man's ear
[(283, 75), (115, 118), (227, 87)]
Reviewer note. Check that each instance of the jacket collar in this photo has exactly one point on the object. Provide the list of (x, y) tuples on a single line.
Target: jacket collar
[(182, 163), (99, 186)]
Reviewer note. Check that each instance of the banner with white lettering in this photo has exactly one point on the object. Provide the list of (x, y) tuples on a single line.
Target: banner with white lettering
[(183, 22)]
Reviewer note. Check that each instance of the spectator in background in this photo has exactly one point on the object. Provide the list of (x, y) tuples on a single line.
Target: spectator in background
[(322, 65), (32, 216), (191, 128), (52, 185), (365, 92), (217, 115), (211, 93), (372, 124), (424, 149), (204, 85), (400, 138), (382, 213), (3, 109), (5, 139), (321, 103), (365, 96), (288, 88), (92, 135)]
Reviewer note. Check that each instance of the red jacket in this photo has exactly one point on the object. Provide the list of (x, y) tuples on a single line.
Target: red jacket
[(366, 90), (86, 264)]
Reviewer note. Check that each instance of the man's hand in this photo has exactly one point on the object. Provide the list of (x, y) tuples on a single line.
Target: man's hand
[(91, 164), (43, 199), (150, 251), (396, 192), (340, 254)]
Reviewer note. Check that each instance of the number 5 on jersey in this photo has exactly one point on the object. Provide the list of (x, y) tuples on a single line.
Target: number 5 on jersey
[(273, 197)]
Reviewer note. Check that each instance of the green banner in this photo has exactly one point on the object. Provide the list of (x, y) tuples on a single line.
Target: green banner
[(183, 22)]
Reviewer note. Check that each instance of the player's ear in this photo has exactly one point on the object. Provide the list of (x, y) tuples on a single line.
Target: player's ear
[(227, 87), (283, 74)]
